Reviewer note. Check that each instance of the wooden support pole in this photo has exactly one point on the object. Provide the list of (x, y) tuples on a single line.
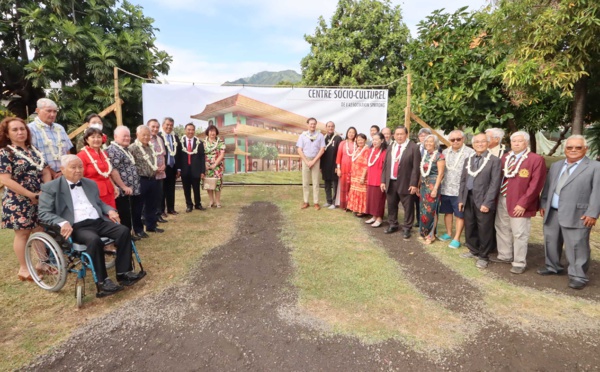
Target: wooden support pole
[(118, 111), (424, 124), (407, 110), (102, 114)]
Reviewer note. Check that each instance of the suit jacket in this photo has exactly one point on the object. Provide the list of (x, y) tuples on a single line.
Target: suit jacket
[(524, 188), (408, 168), (56, 203), (177, 149), (486, 185), (198, 161), (579, 196)]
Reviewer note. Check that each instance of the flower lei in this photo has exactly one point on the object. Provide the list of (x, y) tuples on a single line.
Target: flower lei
[(353, 148), (371, 163), (312, 138), (330, 142), (403, 147), (459, 156), (425, 173), (208, 146), (184, 146), (356, 156), (40, 124), (476, 173), (124, 151), (95, 163), (172, 151), (39, 166), (152, 164), (514, 172)]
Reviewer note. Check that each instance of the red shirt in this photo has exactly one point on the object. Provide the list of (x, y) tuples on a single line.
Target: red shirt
[(374, 171), (105, 186)]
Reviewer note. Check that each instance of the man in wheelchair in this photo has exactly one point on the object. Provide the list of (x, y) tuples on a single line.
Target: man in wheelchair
[(73, 203)]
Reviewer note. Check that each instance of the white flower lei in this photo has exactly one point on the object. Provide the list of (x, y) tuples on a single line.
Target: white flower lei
[(459, 156), (208, 147), (124, 151), (184, 146), (404, 146), (40, 124), (422, 166), (172, 151), (370, 164), (514, 172), (356, 156), (95, 163), (330, 141), (312, 138), (20, 153), (152, 164), (476, 173), (353, 148)]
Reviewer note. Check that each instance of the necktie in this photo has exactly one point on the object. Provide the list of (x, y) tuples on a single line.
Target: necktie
[(171, 159), (563, 178), (189, 148), (396, 163), (511, 166), (74, 185)]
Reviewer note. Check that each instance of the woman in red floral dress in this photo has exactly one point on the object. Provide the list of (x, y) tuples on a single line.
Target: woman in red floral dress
[(357, 197)]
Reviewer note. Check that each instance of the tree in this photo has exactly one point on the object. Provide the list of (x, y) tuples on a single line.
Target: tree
[(362, 45), (75, 45), (262, 151), (546, 45)]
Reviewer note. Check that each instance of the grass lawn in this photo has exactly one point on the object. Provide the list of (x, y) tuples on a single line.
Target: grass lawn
[(343, 278), (266, 177)]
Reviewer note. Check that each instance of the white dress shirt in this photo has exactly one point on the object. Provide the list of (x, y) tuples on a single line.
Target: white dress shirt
[(82, 208)]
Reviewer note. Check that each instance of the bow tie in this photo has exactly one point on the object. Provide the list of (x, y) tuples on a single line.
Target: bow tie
[(74, 185)]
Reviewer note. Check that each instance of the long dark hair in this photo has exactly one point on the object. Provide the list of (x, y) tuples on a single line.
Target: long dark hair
[(382, 138), (5, 139), (355, 133), (91, 116)]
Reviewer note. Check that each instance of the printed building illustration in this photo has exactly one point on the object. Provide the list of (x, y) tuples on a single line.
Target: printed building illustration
[(243, 122)]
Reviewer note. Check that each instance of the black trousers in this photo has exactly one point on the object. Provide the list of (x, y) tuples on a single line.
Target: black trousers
[(167, 203), (127, 212), (88, 232), (331, 190), (161, 197), (147, 203), (480, 233), (393, 199), (190, 184)]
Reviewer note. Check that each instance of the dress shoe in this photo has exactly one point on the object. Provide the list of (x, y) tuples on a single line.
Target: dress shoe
[(317, 207), (188, 209), (500, 260), (467, 255), (200, 207), (304, 206), (406, 235), (161, 219), (576, 284), (544, 272), (129, 278), (376, 224), (173, 212), (142, 235), (107, 288), (517, 269), (155, 230), (390, 230), (135, 238), (482, 264), (164, 215)]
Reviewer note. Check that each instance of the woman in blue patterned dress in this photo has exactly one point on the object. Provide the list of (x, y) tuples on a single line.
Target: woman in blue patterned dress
[(432, 173), (22, 171)]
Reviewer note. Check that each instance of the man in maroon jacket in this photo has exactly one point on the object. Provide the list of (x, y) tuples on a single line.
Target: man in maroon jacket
[(524, 175)]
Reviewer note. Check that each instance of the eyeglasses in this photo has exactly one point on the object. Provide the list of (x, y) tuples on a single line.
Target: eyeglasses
[(576, 148), (455, 139), (478, 142)]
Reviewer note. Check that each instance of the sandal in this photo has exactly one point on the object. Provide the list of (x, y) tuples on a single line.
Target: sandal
[(218, 205), (24, 278)]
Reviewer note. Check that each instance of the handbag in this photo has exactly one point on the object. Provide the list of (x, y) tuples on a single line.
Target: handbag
[(210, 183)]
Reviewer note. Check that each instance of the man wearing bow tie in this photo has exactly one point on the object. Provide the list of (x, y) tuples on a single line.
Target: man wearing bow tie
[(73, 203)]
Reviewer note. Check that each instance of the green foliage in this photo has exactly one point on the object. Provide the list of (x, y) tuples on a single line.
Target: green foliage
[(259, 150), (361, 45), (593, 136), (76, 44)]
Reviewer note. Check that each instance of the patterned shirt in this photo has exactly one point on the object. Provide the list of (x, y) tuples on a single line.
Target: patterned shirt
[(309, 147), (126, 168), (55, 133), (143, 167), (160, 150), (454, 168)]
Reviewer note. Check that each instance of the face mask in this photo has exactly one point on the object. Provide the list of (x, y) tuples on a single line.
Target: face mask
[(96, 126)]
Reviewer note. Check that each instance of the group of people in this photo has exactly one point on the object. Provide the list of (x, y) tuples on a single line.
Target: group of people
[(102, 190), (489, 191)]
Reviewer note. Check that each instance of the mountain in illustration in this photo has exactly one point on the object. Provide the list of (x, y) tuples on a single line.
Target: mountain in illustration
[(268, 78)]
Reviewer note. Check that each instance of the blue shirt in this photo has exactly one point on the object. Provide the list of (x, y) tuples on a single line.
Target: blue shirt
[(55, 133), (311, 148), (555, 197)]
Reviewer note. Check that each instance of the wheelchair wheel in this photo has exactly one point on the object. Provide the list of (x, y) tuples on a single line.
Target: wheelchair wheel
[(79, 294), (46, 262), (110, 255)]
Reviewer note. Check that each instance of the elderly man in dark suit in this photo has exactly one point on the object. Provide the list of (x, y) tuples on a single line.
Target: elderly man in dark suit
[(570, 207), (74, 204), (400, 179), (479, 186), (193, 167)]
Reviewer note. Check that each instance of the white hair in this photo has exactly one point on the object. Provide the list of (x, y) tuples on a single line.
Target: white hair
[(141, 128), (121, 128), (496, 133), (68, 158), (424, 130), (436, 141), (46, 102), (577, 136), (520, 133), (462, 134)]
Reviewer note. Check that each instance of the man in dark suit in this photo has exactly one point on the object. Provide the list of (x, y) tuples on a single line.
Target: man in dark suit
[(570, 205), (400, 179), (74, 204), (479, 186), (193, 167), (172, 167)]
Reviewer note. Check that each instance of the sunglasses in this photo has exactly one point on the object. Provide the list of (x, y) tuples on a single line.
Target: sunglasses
[(577, 148), (455, 139)]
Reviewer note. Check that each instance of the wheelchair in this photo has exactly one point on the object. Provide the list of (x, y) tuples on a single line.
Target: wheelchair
[(50, 257)]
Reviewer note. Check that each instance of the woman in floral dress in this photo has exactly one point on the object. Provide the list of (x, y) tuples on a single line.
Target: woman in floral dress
[(214, 150), (432, 173), (344, 166), (22, 171), (96, 165), (357, 197)]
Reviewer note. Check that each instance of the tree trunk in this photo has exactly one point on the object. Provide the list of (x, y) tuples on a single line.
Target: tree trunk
[(580, 93), (560, 139), (532, 141)]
